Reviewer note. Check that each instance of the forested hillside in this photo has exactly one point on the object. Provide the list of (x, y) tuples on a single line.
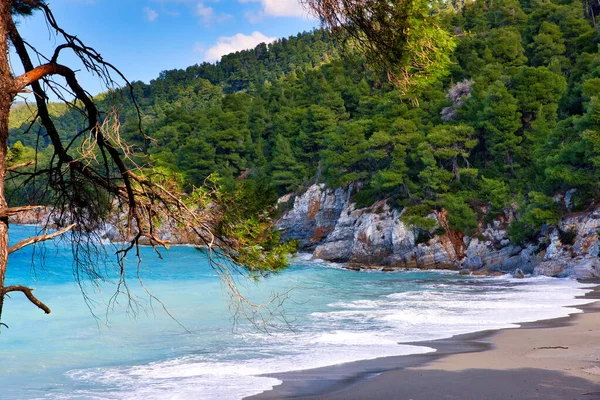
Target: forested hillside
[(515, 120)]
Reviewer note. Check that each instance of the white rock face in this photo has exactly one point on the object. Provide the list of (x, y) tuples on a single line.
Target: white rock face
[(580, 259), (324, 220), (314, 215), (369, 236)]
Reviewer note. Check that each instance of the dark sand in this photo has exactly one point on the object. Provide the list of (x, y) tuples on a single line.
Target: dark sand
[(554, 359)]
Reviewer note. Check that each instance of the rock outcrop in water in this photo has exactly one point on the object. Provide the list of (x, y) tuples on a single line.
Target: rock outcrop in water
[(326, 223)]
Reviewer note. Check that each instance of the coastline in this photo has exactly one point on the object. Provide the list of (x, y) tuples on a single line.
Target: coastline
[(549, 359)]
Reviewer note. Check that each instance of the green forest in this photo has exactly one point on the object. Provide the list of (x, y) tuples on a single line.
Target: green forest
[(514, 120)]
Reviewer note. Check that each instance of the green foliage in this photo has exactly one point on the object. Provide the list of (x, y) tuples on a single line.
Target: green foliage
[(450, 142), (345, 154), (539, 209), (424, 32), (500, 121), (282, 116), (520, 232), (460, 215), (416, 216), (287, 174), (496, 192), (246, 208), (403, 39), (567, 237), (27, 161), (505, 47), (547, 45), (18, 154), (538, 88)]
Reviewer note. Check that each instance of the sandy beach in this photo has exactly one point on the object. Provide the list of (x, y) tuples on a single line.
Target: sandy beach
[(554, 359)]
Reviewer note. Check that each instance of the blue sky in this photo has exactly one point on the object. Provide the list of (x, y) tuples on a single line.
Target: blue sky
[(144, 37)]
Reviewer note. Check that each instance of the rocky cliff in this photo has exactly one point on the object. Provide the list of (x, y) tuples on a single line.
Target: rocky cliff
[(326, 223)]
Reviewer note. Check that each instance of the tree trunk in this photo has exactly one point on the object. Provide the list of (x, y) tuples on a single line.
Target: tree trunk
[(455, 169), (509, 161), (6, 98)]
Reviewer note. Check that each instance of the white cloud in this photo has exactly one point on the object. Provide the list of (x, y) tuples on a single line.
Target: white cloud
[(278, 8), (175, 1), (254, 17), (208, 14), (283, 8), (150, 14), (237, 42)]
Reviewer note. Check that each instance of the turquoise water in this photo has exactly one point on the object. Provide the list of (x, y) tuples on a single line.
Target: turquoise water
[(331, 316)]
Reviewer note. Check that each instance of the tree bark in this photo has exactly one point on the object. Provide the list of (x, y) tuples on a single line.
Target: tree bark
[(455, 169), (6, 98), (509, 161), (28, 293)]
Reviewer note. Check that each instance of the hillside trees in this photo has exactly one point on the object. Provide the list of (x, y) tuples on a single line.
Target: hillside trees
[(287, 173), (500, 121), (513, 114)]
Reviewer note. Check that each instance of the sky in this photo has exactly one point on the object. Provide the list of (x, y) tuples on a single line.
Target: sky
[(144, 37)]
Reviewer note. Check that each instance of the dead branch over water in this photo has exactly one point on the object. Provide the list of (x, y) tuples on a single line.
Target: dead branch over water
[(95, 176)]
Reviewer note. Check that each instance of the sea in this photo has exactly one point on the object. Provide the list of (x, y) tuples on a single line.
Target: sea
[(179, 335)]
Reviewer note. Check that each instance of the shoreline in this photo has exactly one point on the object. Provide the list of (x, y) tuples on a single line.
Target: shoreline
[(493, 364)]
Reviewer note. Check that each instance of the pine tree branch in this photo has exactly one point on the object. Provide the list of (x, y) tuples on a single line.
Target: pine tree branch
[(7, 212), (28, 293), (18, 166), (40, 72), (37, 239)]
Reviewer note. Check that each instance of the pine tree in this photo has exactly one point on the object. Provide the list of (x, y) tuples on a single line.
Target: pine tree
[(286, 173), (500, 122)]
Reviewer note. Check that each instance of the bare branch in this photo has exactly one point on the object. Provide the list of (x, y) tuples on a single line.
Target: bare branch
[(94, 178), (91, 59), (28, 293), (37, 239), (40, 72), (18, 166), (7, 212)]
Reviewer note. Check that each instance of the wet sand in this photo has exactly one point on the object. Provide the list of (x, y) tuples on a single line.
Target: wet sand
[(553, 359)]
